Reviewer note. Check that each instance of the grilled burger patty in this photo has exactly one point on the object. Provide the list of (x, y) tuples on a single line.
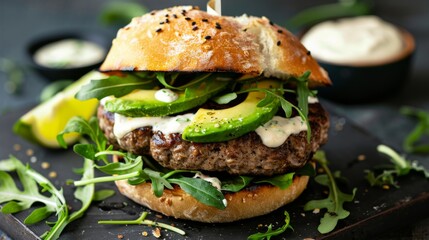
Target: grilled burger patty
[(246, 155)]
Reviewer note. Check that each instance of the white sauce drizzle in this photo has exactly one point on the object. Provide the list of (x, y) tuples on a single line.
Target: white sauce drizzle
[(364, 39), (166, 125), (312, 100), (166, 95), (275, 132), (69, 53)]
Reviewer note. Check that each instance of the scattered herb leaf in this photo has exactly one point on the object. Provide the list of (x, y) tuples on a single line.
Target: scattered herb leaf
[(335, 200), (400, 167), (270, 232), (410, 143), (114, 86), (121, 13), (142, 220)]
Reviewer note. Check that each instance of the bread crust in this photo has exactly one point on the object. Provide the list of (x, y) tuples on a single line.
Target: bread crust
[(189, 40), (250, 202)]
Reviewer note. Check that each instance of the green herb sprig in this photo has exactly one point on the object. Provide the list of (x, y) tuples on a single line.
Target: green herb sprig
[(270, 232), (399, 167), (117, 86), (335, 200), (19, 200), (143, 221), (411, 142)]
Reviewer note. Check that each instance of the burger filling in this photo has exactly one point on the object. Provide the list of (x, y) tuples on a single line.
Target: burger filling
[(223, 125)]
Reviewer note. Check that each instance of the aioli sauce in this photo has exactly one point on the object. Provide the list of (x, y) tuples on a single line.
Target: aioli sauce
[(275, 132), (366, 39), (166, 95), (166, 125), (69, 53)]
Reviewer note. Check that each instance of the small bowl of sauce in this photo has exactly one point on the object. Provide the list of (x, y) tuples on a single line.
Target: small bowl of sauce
[(367, 58), (67, 55)]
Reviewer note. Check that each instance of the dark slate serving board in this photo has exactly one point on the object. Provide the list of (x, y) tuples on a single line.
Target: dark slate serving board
[(373, 210)]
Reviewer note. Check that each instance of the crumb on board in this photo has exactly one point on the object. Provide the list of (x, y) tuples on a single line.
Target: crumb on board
[(45, 165), (16, 147), (144, 234), (386, 187), (120, 236), (33, 159), (361, 157), (29, 152), (52, 174), (158, 216), (316, 211), (303, 214), (156, 232)]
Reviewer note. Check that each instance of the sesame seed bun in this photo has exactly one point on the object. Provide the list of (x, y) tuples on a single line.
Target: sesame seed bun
[(190, 40)]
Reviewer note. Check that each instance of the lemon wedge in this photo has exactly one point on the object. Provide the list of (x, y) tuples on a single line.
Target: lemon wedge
[(42, 123)]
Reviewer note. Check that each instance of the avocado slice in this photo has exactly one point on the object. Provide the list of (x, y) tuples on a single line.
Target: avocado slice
[(210, 125), (141, 103)]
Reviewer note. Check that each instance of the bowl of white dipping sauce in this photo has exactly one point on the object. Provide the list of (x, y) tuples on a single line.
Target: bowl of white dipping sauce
[(67, 55), (366, 57)]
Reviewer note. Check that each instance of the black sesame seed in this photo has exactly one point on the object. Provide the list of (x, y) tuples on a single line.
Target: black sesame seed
[(166, 15), (245, 30), (158, 30), (184, 14), (174, 15), (161, 23), (308, 53), (195, 28), (279, 43), (271, 23), (205, 20), (188, 19), (167, 21), (279, 31), (183, 11), (218, 26), (193, 23), (208, 37)]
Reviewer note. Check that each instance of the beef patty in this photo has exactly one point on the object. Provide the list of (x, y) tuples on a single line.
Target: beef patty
[(246, 155)]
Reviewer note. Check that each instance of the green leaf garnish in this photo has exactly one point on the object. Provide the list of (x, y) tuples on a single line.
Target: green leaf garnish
[(115, 86), (400, 167), (410, 143), (270, 232), (280, 181), (201, 190), (236, 184), (335, 200), (143, 221)]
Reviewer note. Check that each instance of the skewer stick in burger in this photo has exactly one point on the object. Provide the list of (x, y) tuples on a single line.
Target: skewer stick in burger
[(217, 111)]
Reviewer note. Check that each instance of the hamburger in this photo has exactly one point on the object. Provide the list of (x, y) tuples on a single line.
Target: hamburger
[(220, 108)]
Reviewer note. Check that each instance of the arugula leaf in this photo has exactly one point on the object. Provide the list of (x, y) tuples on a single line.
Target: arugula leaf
[(400, 167), (303, 92), (410, 143), (270, 232), (280, 181), (101, 195), (142, 220), (161, 76), (10, 193), (335, 200), (236, 184), (158, 182), (114, 86), (201, 190)]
